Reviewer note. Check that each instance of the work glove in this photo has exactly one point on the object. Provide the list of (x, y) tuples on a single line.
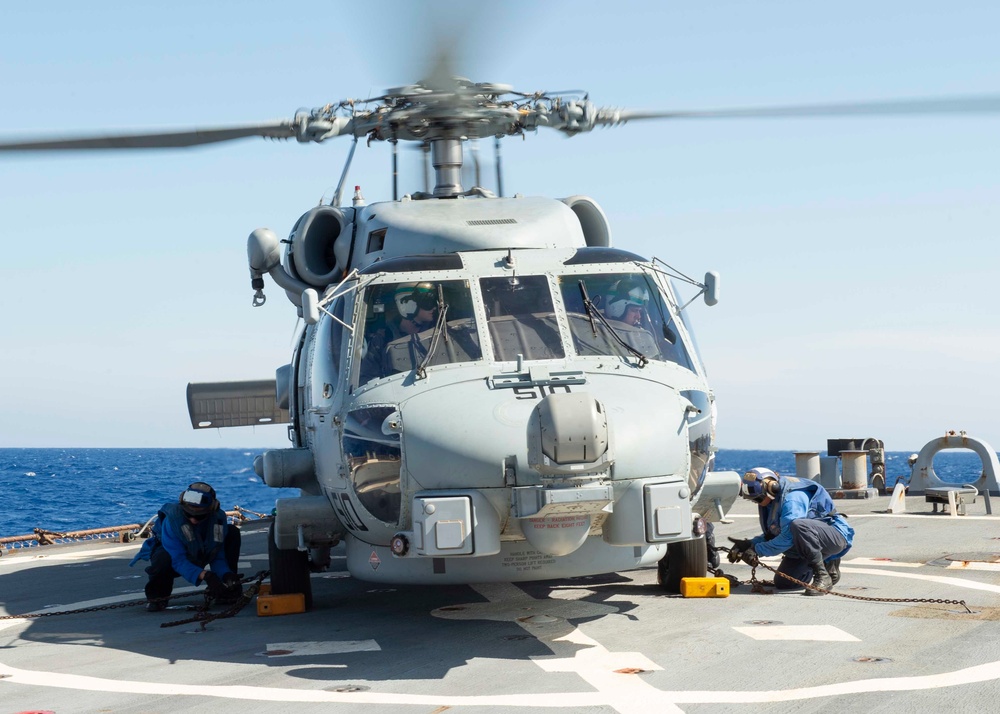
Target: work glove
[(215, 587), (750, 558), (739, 547), (231, 581)]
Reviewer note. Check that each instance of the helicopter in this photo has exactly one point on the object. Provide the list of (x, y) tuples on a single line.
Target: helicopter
[(486, 388), (450, 297)]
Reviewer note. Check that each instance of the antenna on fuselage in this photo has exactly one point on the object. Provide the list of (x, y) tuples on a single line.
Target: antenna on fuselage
[(339, 195)]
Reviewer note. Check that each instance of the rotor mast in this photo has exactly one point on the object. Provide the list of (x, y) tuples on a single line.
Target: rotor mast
[(446, 157)]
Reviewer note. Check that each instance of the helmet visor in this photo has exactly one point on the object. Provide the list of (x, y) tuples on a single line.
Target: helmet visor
[(425, 296), (197, 503)]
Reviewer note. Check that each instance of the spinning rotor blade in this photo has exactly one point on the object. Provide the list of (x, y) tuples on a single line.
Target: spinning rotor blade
[(443, 108), (982, 104), (279, 129)]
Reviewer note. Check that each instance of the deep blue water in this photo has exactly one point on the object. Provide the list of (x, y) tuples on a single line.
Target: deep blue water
[(74, 489), (955, 466)]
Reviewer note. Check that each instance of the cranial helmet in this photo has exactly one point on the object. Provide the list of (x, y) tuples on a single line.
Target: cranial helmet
[(758, 484), (629, 292), (199, 499), (411, 297)]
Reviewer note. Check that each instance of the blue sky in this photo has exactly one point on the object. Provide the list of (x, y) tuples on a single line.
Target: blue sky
[(859, 257)]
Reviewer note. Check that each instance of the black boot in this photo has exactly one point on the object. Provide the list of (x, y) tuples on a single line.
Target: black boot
[(821, 578), (833, 568)]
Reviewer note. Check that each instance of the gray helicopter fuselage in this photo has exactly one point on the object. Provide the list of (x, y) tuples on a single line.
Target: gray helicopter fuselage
[(513, 437)]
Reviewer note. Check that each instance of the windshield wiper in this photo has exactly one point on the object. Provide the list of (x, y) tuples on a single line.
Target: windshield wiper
[(440, 328), (593, 312)]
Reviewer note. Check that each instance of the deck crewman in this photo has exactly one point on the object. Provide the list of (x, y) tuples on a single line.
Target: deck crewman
[(798, 520), (192, 538)]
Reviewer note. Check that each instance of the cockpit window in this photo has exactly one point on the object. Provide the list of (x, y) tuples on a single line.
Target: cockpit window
[(633, 307), (413, 325), (522, 320)]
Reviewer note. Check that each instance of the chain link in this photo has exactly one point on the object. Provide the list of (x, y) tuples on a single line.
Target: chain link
[(96, 608), (132, 603), (759, 587), (204, 617)]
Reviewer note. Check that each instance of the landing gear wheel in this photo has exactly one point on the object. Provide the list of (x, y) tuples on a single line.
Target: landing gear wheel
[(684, 559), (289, 570)]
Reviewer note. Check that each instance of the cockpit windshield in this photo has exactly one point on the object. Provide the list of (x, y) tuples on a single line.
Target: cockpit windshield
[(522, 320), (414, 325), (634, 310), (411, 326)]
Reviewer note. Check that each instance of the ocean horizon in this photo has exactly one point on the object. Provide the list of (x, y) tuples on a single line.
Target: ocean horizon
[(69, 489)]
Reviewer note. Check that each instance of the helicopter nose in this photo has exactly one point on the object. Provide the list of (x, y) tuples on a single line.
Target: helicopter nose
[(569, 446)]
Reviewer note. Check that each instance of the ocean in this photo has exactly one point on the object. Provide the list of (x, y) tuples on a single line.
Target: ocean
[(74, 489)]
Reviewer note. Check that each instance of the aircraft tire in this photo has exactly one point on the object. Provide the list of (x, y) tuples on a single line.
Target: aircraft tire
[(289, 570), (684, 559)]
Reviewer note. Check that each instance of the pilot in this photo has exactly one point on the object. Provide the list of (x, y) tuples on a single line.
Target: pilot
[(628, 302), (191, 538), (417, 305), (799, 521), (417, 308)]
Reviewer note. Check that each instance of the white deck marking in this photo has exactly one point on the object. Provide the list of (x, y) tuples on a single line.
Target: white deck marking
[(624, 693), (972, 565), (35, 558), (970, 675), (878, 563), (301, 649), (114, 599), (815, 633), (957, 582), (576, 652), (661, 701), (925, 515)]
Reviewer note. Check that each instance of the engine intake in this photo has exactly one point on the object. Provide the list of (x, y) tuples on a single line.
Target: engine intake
[(320, 246)]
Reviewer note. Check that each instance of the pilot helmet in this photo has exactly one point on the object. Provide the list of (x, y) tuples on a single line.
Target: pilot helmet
[(759, 483), (198, 500), (411, 297), (628, 292)]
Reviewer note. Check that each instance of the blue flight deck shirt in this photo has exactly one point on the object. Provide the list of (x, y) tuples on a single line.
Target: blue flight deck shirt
[(173, 544), (188, 559), (794, 505)]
